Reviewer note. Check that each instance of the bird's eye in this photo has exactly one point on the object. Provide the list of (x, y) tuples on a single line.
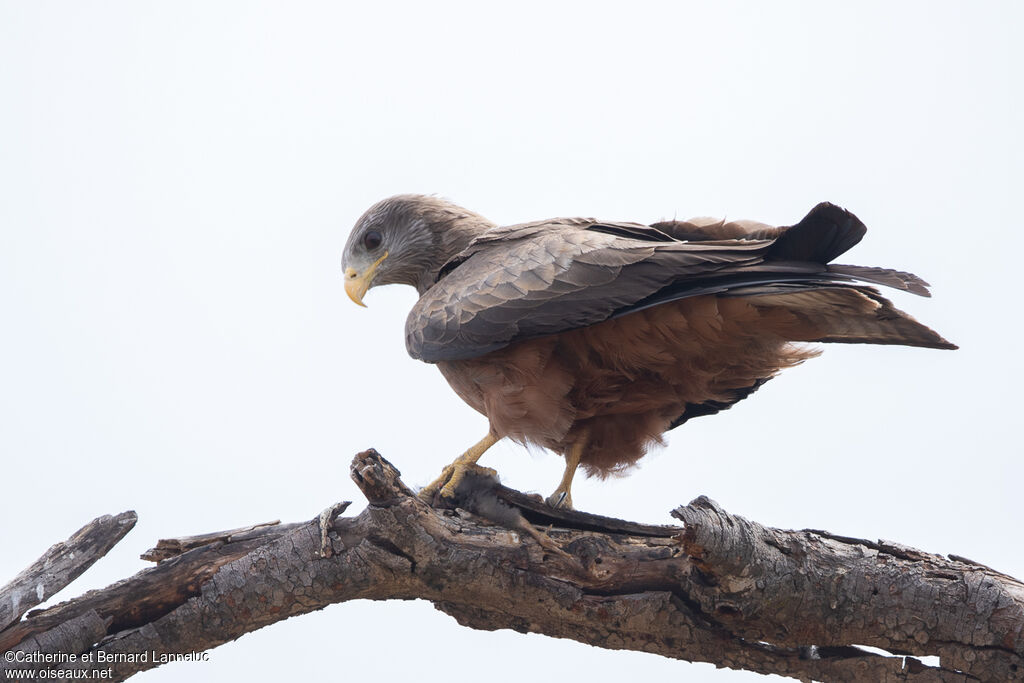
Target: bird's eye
[(372, 240)]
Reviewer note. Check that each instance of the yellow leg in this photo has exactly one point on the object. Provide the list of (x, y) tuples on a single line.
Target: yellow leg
[(562, 497), (452, 475)]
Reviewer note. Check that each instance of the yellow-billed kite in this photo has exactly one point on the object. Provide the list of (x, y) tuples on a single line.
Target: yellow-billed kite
[(593, 338)]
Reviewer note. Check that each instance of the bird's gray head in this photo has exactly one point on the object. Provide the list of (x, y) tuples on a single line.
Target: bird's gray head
[(406, 239)]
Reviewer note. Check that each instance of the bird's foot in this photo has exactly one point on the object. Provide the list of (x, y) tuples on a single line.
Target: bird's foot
[(561, 498), (451, 477)]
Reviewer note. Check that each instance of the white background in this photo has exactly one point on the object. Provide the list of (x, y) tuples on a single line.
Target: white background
[(177, 181)]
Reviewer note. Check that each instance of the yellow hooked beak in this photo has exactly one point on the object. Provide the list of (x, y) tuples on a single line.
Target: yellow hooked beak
[(356, 283)]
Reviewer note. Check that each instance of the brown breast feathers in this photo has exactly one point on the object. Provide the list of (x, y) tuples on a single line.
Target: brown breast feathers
[(627, 380)]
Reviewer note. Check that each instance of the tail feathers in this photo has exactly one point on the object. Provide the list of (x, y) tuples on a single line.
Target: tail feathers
[(897, 279), (842, 314)]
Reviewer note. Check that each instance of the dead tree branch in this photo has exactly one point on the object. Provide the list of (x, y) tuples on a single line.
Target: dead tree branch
[(61, 564), (719, 589)]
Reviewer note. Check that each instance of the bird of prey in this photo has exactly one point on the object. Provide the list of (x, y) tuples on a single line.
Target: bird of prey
[(593, 338)]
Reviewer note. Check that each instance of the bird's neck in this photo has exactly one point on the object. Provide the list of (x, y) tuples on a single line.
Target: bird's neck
[(454, 229)]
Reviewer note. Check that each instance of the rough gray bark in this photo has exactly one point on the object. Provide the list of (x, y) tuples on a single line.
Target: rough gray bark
[(61, 564), (719, 589)]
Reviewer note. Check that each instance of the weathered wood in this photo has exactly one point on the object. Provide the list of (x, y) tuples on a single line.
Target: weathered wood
[(152, 592), (719, 589), (795, 588), (62, 643), (171, 547), (537, 511), (62, 564)]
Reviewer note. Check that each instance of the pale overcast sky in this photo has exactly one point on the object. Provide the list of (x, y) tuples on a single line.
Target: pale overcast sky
[(177, 181)]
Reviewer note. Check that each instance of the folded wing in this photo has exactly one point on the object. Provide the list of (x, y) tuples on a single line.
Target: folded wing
[(525, 281)]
